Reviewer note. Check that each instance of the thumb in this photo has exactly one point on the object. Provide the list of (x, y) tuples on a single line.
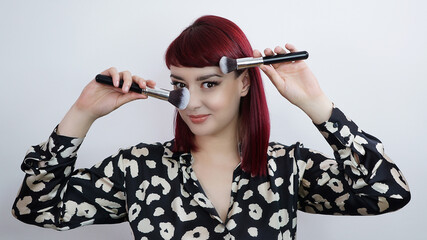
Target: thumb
[(128, 97), (273, 76)]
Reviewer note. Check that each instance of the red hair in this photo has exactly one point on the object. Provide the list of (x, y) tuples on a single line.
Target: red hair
[(203, 44)]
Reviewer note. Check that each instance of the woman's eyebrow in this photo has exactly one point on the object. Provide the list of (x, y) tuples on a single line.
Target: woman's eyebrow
[(201, 78), (204, 77), (176, 77)]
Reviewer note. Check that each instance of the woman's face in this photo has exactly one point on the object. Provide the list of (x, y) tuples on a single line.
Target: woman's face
[(214, 99)]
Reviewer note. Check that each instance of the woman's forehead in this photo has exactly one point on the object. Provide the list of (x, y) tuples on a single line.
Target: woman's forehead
[(182, 73)]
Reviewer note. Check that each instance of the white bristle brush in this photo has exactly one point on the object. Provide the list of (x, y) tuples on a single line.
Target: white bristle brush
[(179, 98), (228, 64)]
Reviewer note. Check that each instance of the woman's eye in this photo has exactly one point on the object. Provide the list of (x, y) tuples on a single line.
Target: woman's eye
[(209, 84), (178, 84)]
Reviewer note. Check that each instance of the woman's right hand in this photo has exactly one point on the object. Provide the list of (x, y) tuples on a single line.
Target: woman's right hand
[(97, 100)]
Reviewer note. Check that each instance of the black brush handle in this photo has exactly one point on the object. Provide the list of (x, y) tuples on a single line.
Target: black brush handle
[(288, 57), (109, 81)]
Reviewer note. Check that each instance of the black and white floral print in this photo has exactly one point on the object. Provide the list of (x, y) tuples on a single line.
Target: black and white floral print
[(157, 190)]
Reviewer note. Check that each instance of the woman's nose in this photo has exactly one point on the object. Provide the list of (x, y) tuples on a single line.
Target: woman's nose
[(195, 100)]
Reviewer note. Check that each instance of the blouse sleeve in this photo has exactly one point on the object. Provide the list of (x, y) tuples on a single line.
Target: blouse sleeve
[(361, 180), (54, 195)]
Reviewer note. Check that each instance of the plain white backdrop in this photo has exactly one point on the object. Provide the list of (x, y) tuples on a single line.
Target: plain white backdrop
[(369, 56)]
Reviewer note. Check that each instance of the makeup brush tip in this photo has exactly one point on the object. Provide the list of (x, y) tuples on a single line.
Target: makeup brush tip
[(179, 98), (227, 64)]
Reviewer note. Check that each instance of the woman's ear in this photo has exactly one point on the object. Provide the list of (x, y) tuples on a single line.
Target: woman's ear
[(246, 83)]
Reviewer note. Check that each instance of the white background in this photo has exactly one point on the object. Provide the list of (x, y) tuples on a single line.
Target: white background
[(369, 56)]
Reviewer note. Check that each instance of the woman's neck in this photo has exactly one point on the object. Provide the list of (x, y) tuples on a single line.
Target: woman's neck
[(220, 149)]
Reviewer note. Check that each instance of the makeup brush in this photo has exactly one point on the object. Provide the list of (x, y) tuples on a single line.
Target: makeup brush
[(179, 98), (228, 64)]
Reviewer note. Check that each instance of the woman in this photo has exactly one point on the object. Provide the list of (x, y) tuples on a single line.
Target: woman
[(219, 178)]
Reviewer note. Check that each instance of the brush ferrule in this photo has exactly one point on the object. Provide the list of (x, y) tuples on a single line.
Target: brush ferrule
[(248, 62), (160, 94)]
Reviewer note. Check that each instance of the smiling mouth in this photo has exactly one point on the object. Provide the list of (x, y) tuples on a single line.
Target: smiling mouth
[(197, 119)]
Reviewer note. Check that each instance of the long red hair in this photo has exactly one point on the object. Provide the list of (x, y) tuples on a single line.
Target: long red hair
[(203, 44)]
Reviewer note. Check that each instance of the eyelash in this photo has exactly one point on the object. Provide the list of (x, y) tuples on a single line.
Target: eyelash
[(210, 84), (178, 84)]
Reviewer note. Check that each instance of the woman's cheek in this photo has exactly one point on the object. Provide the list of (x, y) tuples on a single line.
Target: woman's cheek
[(218, 100)]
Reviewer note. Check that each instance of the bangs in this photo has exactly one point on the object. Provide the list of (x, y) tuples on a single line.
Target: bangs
[(201, 45)]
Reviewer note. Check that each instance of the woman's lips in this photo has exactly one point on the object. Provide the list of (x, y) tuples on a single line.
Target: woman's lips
[(198, 118)]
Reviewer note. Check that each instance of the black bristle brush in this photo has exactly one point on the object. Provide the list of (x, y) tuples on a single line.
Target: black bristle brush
[(228, 64), (179, 98)]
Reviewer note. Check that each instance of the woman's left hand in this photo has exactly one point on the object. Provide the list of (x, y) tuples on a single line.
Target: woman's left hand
[(296, 82)]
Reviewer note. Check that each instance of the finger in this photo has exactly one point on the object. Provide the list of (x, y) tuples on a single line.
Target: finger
[(150, 83), (257, 53), (268, 52), (127, 80), (279, 50), (273, 76), (131, 96), (114, 74), (290, 47), (140, 81)]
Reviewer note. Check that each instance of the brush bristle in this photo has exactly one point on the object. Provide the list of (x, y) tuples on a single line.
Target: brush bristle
[(179, 98), (227, 64)]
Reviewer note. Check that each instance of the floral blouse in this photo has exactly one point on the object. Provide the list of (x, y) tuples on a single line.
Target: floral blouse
[(158, 193)]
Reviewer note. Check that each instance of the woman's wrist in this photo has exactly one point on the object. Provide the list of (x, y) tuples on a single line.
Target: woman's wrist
[(319, 109), (76, 123)]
